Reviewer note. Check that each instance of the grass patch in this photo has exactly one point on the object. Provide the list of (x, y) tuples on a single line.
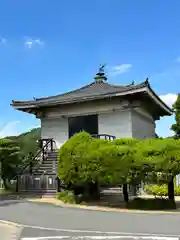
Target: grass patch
[(151, 204), (161, 190), (5, 192), (66, 197)]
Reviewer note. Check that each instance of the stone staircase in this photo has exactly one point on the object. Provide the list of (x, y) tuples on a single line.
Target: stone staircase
[(48, 166), (42, 181)]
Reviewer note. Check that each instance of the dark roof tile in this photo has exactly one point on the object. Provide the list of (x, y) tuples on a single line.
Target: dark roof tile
[(94, 89)]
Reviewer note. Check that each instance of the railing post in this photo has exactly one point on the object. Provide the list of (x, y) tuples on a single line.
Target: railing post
[(43, 152), (51, 145), (17, 183), (31, 168)]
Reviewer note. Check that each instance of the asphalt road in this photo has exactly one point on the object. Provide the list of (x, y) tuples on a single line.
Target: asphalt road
[(43, 220)]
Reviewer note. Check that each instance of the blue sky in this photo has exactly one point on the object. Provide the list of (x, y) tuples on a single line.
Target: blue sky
[(48, 48)]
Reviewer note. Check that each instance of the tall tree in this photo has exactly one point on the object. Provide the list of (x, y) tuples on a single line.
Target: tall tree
[(176, 126), (162, 160), (128, 145), (10, 159)]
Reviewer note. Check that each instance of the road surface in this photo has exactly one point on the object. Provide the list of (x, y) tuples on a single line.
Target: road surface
[(43, 221)]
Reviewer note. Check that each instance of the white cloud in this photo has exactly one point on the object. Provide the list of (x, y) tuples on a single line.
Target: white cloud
[(120, 69), (30, 42), (178, 59), (3, 41), (14, 128), (169, 98), (10, 129)]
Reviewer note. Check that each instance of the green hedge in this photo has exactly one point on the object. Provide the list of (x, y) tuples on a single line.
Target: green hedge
[(69, 197), (161, 190), (151, 204), (66, 197)]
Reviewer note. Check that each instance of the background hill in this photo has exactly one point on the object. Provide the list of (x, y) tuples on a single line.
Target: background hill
[(27, 140)]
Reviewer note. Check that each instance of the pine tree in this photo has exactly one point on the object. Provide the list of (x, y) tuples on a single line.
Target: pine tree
[(176, 126)]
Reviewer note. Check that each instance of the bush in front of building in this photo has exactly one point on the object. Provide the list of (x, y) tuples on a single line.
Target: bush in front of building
[(85, 162), (66, 197), (161, 190), (125, 141), (70, 155), (151, 204), (74, 167)]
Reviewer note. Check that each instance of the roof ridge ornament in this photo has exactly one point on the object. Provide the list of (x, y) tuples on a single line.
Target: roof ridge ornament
[(147, 82), (101, 68), (101, 76)]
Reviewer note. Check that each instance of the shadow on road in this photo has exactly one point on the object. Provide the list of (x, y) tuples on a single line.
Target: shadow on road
[(15, 198)]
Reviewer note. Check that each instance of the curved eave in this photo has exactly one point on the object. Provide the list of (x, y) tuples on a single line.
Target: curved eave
[(21, 106), (30, 108), (169, 111)]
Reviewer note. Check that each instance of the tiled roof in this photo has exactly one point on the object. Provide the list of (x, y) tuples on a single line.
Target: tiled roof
[(94, 89)]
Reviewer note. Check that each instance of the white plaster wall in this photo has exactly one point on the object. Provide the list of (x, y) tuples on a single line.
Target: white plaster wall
[(112, 120), (143, 125), (86, 108), (116, 123), (56, 128)]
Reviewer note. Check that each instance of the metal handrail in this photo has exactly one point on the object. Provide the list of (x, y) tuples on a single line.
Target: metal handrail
[(33, 159), (106, 136)]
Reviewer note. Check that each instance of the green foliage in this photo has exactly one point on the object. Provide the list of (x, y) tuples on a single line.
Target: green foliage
[(71, 156), (159, 155), (176, 126), (4, 192), (14, 151), (151, 204), (83, 159), (66, 197), (133, 171), (10, 158), (109, 162), (161, 190), (125, 141)]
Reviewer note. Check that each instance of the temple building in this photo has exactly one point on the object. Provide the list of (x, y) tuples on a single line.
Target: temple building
[(100, 108)]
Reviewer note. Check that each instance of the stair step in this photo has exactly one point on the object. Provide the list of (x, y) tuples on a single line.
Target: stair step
[(45, 169), (49, 161), (50, 171), (48, 166), (53, 154)]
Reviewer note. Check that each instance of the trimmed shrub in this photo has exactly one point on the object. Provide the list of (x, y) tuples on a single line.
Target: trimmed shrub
[(70, 157), (151, 204), (125, 141), (85, 162), (66, 197), (161, 190)]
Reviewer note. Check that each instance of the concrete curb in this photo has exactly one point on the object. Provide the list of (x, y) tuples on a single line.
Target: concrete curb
[(10, 230), (96, 208), (9, 223)]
